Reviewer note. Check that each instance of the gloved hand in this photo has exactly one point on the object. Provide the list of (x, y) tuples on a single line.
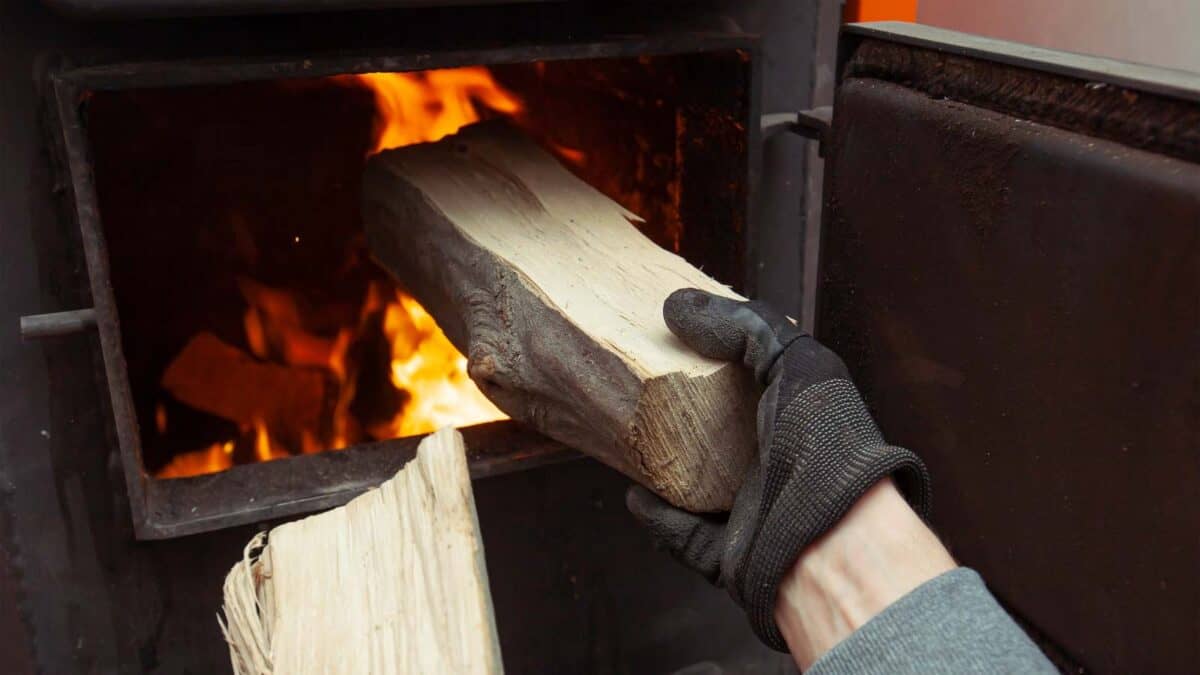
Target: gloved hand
[(819, 451)]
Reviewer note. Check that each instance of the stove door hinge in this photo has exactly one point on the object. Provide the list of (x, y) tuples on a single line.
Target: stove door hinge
[(813, 123)]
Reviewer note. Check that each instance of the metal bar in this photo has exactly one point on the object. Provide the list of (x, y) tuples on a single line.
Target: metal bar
[(814, 123), (152, 74), (773, 123), (825, 69), (36, 326), (68, 113)]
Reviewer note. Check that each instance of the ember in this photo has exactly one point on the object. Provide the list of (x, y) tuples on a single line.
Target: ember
[(386, 371)]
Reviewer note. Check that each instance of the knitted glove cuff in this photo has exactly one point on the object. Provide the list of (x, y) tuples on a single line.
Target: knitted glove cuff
[(838, 455)]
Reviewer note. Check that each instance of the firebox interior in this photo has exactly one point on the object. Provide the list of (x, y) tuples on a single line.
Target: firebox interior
[(254, 324)]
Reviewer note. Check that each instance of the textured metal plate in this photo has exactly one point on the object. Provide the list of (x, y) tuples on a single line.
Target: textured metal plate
[(1020, 301)]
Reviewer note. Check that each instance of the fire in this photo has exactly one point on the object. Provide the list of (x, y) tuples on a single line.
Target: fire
[(432, 371), (425, 384), (264, 449), (571, 155), (424, 106), (214, 458)]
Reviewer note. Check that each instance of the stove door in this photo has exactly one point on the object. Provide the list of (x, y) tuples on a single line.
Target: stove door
[(1010, 265)]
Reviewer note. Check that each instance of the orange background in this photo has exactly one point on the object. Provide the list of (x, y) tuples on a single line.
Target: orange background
[(880, 10)]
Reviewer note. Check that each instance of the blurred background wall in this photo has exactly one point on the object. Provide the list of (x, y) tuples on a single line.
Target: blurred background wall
[(1158, 32)]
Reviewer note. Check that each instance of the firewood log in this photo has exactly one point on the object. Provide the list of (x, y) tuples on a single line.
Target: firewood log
[(392, 583), (218, 378), (556, 298)]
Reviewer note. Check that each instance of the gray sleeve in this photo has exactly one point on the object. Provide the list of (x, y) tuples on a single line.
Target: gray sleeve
[(949, 624)]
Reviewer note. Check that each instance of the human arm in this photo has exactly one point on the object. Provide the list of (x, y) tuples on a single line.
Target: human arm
[(880, 594), (826, 546), (878, 553)]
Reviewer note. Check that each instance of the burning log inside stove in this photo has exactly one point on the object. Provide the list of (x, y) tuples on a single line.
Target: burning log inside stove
[(260, 182), (558, 299), (295, 392), (285, 359), (220, 379)]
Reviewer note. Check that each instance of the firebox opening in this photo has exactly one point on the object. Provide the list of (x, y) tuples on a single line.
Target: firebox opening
[(254, 324)]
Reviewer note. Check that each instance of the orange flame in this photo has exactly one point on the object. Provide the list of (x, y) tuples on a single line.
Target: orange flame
[(432, 371), (428, 374), (264, 449), (424, 106), (573, 155), (214, 458)]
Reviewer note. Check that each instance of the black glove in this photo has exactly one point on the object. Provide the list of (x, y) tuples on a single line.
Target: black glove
[(819, 451)]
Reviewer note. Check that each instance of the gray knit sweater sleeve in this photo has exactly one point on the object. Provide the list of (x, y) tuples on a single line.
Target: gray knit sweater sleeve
[(949, 624)]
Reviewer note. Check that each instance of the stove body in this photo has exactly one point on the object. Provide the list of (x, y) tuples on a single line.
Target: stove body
[(105, 570)]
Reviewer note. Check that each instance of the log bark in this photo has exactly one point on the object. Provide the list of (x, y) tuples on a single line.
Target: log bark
[(556, 298), (393, 582)]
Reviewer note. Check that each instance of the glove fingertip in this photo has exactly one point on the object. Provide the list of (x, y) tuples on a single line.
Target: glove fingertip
[(701, 320), (681, 305)]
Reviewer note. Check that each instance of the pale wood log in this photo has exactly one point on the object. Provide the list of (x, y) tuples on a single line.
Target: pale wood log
[(556, 298), (393, 582)]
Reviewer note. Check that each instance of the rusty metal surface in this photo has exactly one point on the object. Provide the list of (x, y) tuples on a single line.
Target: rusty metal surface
[(1021, 305), (1178, 84), (1129, 116)]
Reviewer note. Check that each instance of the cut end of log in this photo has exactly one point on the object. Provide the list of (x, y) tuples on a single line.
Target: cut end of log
[(711, 414)]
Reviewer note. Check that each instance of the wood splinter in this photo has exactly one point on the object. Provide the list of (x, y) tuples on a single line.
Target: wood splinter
[(556, 298)]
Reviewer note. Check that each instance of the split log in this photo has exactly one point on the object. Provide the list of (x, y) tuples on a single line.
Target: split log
[(220, 379), (556, 298), (414, 597)]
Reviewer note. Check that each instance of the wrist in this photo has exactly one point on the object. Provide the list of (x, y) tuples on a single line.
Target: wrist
[(880, 551)]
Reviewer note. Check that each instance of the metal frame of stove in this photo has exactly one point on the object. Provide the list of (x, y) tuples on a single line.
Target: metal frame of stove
[(163, 509)]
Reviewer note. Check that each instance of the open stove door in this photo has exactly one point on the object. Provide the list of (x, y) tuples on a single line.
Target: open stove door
[(1010, 265)]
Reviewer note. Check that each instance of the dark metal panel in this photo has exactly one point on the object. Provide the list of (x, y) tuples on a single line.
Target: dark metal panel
[(125, 9), (1021, 305)]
